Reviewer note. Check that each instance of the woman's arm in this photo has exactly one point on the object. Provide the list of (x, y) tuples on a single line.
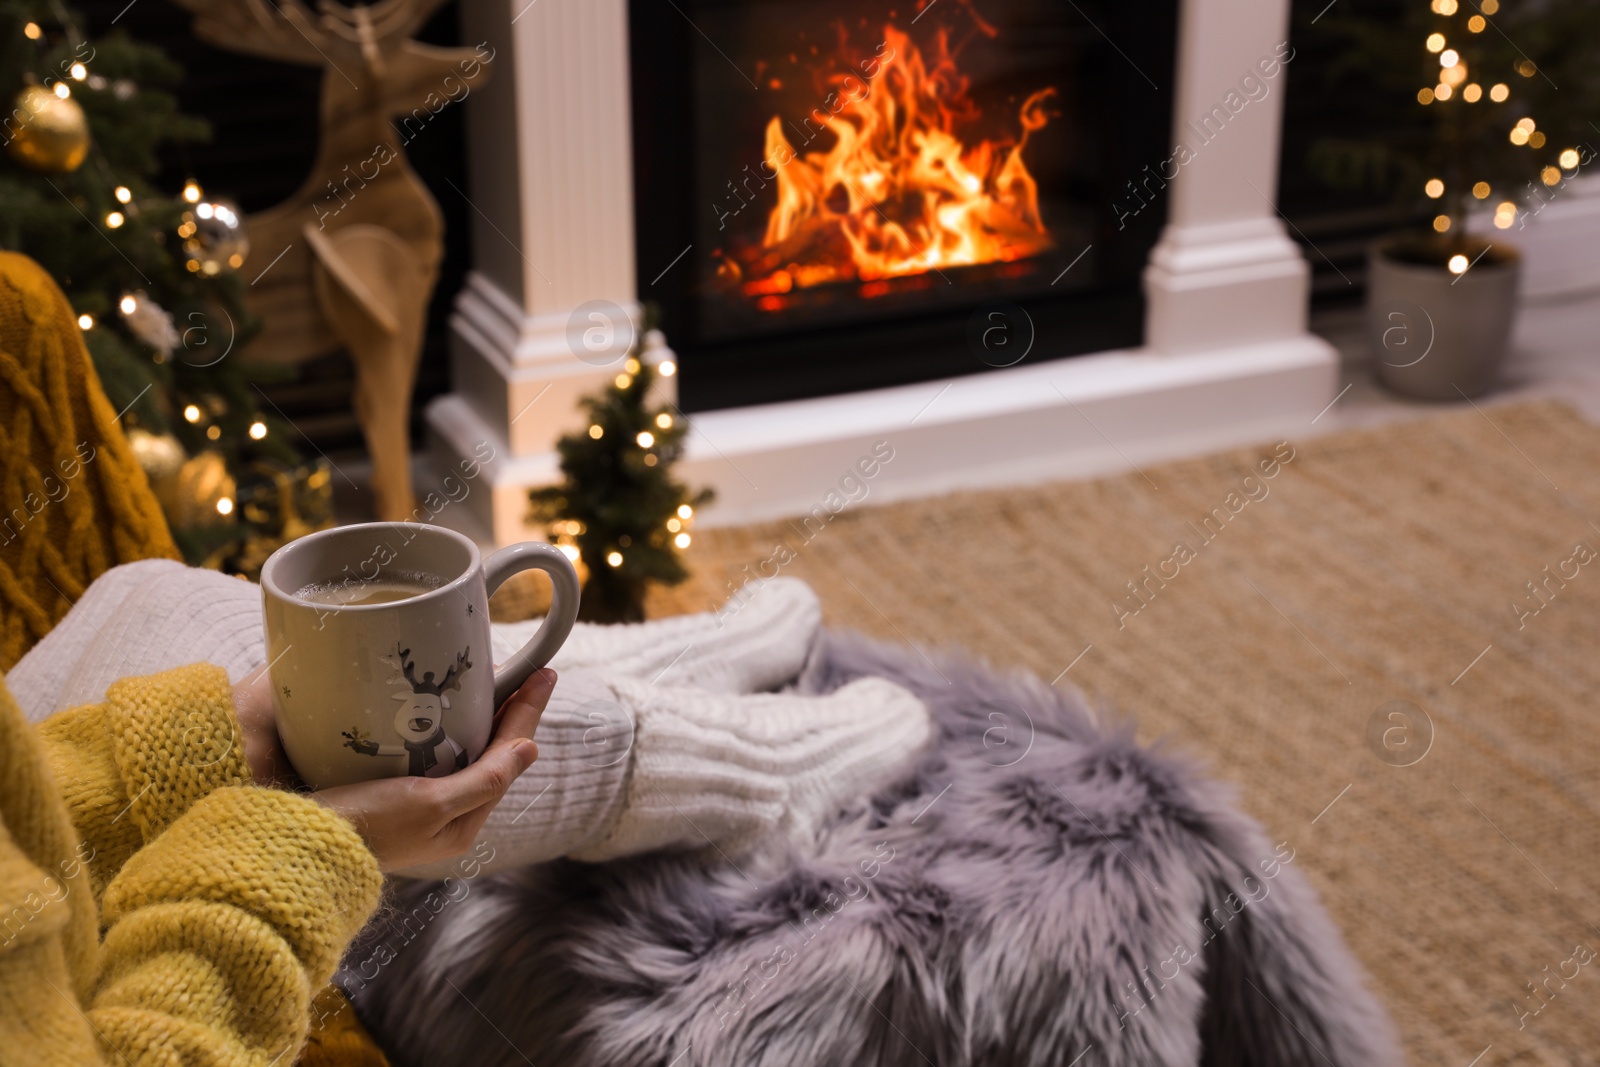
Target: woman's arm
[(217, 932), (220, 929)]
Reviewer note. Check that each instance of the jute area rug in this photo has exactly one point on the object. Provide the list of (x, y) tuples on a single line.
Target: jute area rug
[(1352, 640)]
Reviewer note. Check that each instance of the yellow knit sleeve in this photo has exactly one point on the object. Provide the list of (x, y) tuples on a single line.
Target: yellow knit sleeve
[(176, 739), (129, 767), (220, 930)]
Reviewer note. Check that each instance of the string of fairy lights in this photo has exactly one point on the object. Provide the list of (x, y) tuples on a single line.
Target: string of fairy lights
[(1454, 83), (565, 532)]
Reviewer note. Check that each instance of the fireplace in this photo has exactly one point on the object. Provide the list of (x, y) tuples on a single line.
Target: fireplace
[(591, 194), (835, 196)]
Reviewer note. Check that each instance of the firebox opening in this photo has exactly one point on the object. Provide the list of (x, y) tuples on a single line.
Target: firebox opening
[(838, 187), (893, 192)]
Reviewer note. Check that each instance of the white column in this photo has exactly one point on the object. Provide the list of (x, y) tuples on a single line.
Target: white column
[(549, 308), (1225, 272), (551, 189)]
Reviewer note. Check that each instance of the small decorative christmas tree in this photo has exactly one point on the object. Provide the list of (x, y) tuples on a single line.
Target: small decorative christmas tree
[(1467, 113), (152, 274), (618, 509)]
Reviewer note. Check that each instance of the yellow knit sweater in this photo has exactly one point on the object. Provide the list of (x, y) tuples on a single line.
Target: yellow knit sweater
[(73, 499), (154, 907)]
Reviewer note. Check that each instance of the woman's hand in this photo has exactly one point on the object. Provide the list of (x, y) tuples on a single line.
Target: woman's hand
[(407, 821), (411, 821)]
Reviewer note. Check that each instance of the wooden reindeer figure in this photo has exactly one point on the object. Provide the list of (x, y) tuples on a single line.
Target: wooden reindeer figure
[(358, 246), (419, 720)]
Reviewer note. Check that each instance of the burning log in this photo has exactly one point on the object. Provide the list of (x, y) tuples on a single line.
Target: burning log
[(898, 193)]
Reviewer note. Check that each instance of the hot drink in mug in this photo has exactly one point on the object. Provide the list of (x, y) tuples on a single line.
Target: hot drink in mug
[(378, 647)]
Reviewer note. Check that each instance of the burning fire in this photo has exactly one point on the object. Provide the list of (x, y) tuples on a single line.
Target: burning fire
[(899, 193)]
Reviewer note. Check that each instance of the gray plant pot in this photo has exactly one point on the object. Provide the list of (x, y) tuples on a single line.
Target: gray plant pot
[(1437, 335)]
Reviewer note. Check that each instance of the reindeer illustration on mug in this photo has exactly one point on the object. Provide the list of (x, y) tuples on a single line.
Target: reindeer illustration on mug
[(419, 721)]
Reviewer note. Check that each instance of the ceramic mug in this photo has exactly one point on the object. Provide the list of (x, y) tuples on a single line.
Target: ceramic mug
[(405, 687)]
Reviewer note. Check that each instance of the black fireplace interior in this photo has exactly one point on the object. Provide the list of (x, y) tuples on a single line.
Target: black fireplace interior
[(830, 193)]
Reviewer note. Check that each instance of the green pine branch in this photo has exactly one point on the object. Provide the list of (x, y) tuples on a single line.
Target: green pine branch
[(1546, 55)]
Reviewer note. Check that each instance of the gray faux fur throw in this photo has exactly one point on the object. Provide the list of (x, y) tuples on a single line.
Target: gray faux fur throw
[(1038, 890)]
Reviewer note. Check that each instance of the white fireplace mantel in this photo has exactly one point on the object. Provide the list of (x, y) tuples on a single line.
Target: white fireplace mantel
[(1227, 358)]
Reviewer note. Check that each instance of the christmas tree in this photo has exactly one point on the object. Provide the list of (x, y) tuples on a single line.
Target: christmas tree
[(1468, 119), (1482, 105), (152, 273), (618, 509)]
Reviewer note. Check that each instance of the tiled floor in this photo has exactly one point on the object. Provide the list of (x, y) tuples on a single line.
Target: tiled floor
[(1555, 353)]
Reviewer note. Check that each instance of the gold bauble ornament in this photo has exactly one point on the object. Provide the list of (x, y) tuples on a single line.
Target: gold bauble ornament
[(50, 134)]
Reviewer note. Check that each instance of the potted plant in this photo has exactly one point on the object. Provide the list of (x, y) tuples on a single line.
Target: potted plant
[(1474, 131)]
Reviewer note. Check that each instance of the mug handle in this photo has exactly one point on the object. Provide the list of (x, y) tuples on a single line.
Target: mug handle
[(534, 555)]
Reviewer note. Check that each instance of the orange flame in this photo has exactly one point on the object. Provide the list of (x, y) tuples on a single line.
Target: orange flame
[(898, 193)]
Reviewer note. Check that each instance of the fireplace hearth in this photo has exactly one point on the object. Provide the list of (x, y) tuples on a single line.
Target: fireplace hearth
[(830, 194)]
